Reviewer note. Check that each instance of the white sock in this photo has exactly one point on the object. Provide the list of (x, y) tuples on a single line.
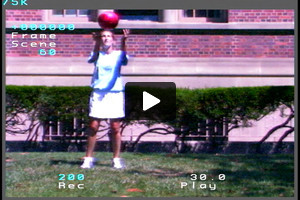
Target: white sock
[(88, 158)]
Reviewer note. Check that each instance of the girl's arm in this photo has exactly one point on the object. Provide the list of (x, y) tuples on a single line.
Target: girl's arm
[(94, 55), (124, 38)]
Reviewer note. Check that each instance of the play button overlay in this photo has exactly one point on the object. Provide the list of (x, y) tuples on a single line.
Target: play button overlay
[(150, 101)]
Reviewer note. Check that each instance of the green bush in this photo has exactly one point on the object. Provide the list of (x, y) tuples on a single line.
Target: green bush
[(60, 102), (235, 104), (45, 104)]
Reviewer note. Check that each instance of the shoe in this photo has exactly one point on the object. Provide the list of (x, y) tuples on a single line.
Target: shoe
[(118, 163), (88, 163)]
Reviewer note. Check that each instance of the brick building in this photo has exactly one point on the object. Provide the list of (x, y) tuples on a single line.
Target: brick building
[(207, 48), (171, 33)]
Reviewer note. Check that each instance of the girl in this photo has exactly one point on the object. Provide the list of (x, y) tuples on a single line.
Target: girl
[(107, 97)]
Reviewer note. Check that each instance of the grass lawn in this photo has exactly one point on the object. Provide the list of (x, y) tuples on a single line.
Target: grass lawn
[(151, 175)]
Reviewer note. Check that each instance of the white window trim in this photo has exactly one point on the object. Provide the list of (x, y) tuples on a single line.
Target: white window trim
[(85, 24), (223, 18), (52, 18)]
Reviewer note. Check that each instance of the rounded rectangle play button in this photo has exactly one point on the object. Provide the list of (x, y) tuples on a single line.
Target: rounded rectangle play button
[(150, 101)]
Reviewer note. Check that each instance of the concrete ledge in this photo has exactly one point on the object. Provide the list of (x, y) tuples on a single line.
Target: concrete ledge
[(184, 72), (175, 25), (153, 65), (152, 147)]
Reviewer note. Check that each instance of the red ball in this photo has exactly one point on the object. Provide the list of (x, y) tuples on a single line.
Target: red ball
[(108, 20)]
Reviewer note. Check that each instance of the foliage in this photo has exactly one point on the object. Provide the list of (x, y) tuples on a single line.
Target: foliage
[(43, 104), (151, 175), (235, 106)]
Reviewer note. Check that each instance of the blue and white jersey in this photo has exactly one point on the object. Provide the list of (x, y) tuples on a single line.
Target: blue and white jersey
[(106, 76)]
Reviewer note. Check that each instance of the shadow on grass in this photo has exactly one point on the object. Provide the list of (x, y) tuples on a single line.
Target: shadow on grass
[(238, 177), (224, 161), (238, 169), (278, 176), (286, 157), (160, 172), (77, 163)]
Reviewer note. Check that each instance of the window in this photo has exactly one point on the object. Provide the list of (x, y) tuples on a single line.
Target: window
[(70, 12), (203, 15), (149, 15), (81, 15)]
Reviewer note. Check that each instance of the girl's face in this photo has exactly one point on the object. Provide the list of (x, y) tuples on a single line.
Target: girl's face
[(107, 38)]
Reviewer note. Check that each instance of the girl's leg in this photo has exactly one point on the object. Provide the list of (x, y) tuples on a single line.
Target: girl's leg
[(92, 136), (116, 137), (117, 162)]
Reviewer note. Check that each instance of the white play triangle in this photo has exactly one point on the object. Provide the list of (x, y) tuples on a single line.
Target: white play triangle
[(149, 101)]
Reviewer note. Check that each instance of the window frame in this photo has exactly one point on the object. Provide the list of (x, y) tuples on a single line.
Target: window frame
[(141, 20), (223, 17), (70, 18)]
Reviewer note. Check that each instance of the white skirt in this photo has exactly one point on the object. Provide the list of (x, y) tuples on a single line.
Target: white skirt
[(107, 105)]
